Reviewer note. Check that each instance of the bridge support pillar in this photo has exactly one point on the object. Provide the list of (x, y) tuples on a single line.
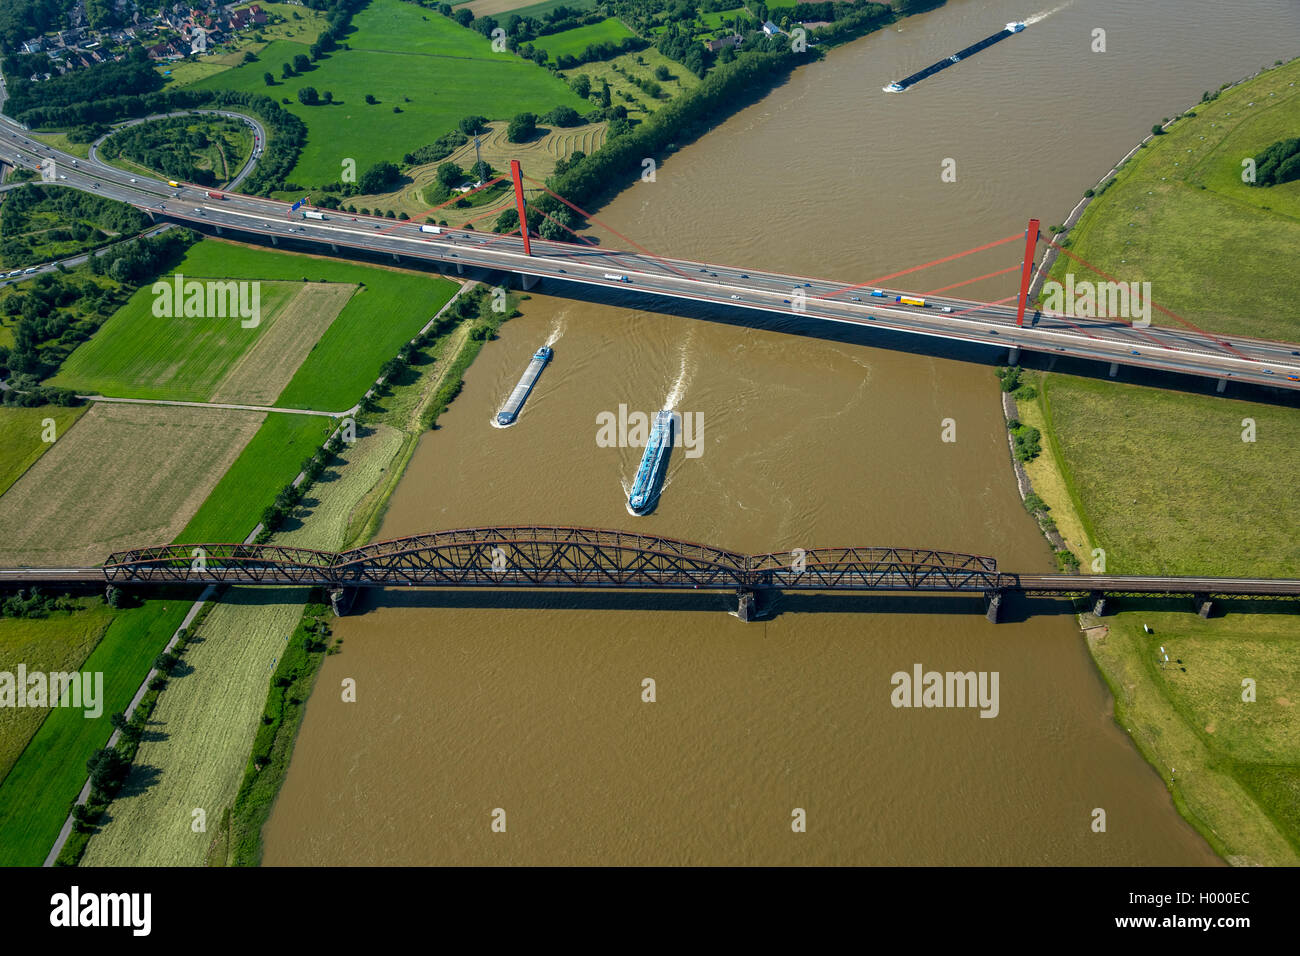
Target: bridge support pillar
[(1114, 369), (341, 600), (746, 606), (218, 228), (1223, 383), (1204, 605), (527, 281), (275, 241), (1098, 603), (1013, 357), (993, 605), (334, 247), (396, 257), (460, 268)]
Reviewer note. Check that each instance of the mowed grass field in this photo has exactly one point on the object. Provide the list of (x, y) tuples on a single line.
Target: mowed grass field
[(200, 734), (1233, 766), (1217, 251), (573, 42), (39, 790), (136, 354), (327, 513), (124, 476), (1166, 484), (59, 642), (427, 66), (270, 461), (390, 308), (21, 437), (537, 157)]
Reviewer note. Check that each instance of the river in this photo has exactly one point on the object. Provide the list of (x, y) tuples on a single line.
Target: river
[(532, 703)]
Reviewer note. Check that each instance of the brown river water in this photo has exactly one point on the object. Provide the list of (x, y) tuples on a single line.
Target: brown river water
[(532, 702)]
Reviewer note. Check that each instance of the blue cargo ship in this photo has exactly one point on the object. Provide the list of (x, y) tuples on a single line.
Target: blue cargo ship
[(649, 474), (1011, 29), (510, 410)]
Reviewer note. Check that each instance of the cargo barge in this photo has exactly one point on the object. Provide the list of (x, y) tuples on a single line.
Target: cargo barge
[(899, 85), (510, 410), (649, 474)]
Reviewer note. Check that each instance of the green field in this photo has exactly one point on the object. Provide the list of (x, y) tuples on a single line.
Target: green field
[(198, 758), (573, 42), (136, 354), (537, 9), (370, 330), (268, 463), (1233, 766), (38, 792), (20, 437), (59, 642), (1218, 252), (418, 61), (1166, 484), (714, 20)]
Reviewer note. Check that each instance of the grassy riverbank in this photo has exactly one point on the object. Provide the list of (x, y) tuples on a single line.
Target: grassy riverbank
[(1162, 482), (1217, 251)]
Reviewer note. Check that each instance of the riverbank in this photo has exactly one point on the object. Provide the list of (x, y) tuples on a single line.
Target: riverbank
[(1143, 480)]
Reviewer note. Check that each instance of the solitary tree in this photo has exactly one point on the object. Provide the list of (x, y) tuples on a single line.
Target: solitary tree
[(301, 63), (581, 85), (522, 128), (268, 79), (286, 71), (308, 96), (370, 99), (473, 124), (450, 174)]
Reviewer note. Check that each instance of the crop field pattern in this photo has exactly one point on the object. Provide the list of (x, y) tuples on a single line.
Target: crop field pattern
[(126, 475), (139, 355), (204, 725), (538, 157), (416, 61)]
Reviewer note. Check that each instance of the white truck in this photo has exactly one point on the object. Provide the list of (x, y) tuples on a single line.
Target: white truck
[(435, 230), (311, 214), (615, 277)]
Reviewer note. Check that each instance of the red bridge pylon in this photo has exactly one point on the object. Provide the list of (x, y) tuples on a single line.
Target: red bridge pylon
[(1027, 269), (517, 176)]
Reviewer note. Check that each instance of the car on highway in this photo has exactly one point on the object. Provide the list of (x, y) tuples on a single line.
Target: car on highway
[(854, 298), (735, 297), (1134, 352), (1293, 378), (28, 272), (16, 272), (945, 308), (199, 212)]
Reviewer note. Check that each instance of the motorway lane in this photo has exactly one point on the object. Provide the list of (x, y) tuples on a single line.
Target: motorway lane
[(1103, 340)]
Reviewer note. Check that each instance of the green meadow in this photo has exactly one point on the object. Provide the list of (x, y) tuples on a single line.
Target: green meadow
[(386, 313), (421, 64), (136, 354), (573, 42), (1217, 251), (1165, 482), (38, 792)]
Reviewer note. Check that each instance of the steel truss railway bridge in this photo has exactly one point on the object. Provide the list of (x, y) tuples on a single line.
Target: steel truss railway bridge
[(547, 557)]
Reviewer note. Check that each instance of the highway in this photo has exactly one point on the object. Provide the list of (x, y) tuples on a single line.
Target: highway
[(1161, 348)]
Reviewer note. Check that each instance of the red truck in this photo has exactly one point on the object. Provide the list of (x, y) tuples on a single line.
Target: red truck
[(214, 195)]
